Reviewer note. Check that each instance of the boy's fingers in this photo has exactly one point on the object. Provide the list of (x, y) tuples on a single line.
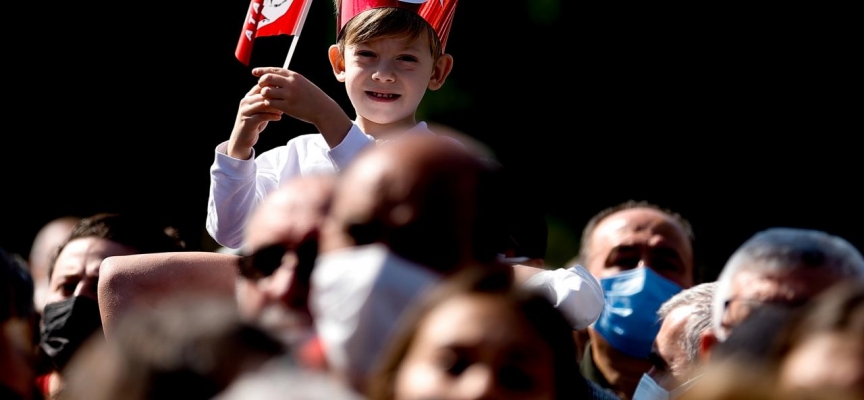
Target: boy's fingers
[(268, 70)]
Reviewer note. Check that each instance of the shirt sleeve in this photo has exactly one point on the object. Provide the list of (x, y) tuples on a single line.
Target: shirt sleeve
[(351, 145)]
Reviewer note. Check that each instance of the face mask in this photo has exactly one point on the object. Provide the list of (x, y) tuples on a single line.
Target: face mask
[(356, 298), (648, 389), (629, 318), (66, 325)]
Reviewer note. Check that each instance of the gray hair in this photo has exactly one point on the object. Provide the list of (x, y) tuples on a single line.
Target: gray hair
[(699, 299), (786, 249)]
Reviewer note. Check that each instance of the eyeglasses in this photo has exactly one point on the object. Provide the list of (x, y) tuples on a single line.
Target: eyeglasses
[(266, 260)]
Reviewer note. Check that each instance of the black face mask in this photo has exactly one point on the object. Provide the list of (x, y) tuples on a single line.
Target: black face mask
[(66, 325)]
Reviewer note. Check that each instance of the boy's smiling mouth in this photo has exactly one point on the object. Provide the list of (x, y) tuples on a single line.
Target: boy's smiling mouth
[(382, 96)]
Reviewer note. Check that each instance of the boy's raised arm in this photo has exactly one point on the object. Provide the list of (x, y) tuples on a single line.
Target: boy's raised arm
[(296, 96)]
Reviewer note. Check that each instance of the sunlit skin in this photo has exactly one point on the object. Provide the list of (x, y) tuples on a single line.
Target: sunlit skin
[(628, 239), (76, 271), (671, 367), (475, 347), (752, 288), (830, 360), (289, 216), (387, 78), (641, 237)]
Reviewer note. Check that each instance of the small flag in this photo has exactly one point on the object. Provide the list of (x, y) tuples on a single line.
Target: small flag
[(270, 18)]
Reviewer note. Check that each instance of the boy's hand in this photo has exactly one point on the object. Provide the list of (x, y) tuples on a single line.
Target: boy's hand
[(293, 94), (252, 117)]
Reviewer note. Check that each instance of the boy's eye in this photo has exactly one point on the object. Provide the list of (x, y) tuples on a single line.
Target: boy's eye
[(407, 58), (365, 53)]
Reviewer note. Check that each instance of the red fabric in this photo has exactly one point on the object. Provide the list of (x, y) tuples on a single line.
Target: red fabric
[(438, 13), (286, 18), (43, 382), (311, 354)]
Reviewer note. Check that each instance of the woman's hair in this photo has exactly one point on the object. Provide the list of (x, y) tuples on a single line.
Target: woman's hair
[(538, 313), (387, 22)]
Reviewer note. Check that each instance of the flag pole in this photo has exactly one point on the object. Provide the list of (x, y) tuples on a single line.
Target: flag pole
[(296, 38)]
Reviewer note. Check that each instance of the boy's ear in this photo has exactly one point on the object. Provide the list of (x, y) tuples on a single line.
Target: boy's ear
[(337, 62), (441, 71)]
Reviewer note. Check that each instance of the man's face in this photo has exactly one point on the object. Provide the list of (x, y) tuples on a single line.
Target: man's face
[(76, 270), (641, 237), (670, 366), (276, 231)]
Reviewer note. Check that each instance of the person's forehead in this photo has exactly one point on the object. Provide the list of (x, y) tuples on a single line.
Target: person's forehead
[(628, 226), (87, 253), (794, 284), (482, 320), (672, 329), (288, 215)]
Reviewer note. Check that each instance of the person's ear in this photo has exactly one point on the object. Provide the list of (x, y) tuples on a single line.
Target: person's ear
[(442, 69), (707, 340), (337, 61)]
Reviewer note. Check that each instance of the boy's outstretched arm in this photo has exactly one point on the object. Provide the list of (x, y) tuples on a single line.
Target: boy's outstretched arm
[(293, 94), (252, 117)]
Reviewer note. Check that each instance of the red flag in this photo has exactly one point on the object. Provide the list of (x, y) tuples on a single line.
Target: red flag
[(270, 18)]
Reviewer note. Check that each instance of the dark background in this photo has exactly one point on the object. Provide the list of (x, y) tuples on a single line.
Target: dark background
[(739, 117)]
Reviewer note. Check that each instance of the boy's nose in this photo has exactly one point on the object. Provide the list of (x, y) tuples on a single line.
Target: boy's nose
[(384, 73)]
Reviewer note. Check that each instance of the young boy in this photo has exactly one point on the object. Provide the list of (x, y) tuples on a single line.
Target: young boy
[(388, 53)]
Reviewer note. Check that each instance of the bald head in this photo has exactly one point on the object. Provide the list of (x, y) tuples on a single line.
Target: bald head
[(418, 194), (292, 213)]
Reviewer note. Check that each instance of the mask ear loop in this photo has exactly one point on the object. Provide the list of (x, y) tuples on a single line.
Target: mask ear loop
[(684, 386)]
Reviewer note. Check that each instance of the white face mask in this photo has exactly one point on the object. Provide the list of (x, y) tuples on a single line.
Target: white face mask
[(357, 295), (648, 389)]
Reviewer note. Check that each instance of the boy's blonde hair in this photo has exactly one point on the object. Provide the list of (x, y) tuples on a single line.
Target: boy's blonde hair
[(384, 23)]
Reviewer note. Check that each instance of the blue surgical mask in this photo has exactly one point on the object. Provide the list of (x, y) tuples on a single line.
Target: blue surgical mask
[(649, 389), (629, 318)]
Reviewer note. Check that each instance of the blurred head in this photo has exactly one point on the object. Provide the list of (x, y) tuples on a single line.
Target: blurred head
[(430, 199), (18, 326), (281, 244), (476, 336), (676, 355), (44, 248), (75, 270), (781, 267), (190, 348), (823, 349), (71, 314)]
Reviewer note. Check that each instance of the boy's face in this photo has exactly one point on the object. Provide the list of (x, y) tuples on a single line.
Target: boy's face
[(387, 78)]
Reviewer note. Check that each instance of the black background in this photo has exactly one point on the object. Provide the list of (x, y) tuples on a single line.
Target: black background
[(739, 117)]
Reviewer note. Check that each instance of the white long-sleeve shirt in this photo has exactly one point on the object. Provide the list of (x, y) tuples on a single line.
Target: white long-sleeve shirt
[(238, 186)]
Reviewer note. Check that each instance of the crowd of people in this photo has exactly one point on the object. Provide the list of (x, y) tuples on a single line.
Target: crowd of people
[(382, 258)]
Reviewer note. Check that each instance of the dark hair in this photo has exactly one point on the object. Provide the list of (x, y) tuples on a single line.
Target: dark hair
[(387, 22), (539, 314), (141, 233), (16, 288)]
